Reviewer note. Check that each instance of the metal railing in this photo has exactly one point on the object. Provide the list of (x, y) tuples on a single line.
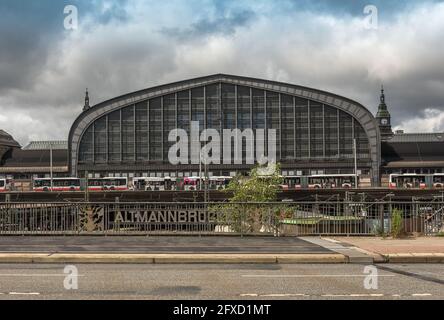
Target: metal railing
[(277, 219)]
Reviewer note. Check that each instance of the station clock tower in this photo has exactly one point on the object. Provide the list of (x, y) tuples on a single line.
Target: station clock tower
[(384, 118)]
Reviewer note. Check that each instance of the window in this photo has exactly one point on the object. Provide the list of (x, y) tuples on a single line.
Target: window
[(302, 129), (331, 132), (100, 140), (142, 142), (273, 118), (183, 110), (155, 131), (86, 146), (114, 154), (169, 121), (316, 130), (288, 129), (128, 131), (345, 135)]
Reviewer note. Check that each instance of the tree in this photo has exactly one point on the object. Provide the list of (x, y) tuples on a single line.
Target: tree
[(262, 185), (249, 209)]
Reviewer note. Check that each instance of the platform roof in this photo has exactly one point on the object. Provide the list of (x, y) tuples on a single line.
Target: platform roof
[(7, 140), (46, 145), (18, 158)]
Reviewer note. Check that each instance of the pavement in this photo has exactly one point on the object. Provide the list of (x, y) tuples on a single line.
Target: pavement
[(168, 249), (219, 250), (409, 250), (160, 245), (243, 282)]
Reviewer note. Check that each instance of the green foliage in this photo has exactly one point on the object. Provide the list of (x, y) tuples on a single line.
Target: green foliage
[(257, 187), (247, 210), (396, 223)]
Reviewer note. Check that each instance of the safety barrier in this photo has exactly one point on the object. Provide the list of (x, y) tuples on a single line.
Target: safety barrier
[(277, 219)]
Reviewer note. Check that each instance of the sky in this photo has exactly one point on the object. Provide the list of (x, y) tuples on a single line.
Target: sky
[(124, 46)]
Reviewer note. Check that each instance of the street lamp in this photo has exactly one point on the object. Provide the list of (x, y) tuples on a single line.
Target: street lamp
[(355, 155), (50, 166), (200, 169), (205, 172)]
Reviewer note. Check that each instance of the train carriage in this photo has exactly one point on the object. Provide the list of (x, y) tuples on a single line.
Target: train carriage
[(3, 185), (410, 181), (153, 183), (56, 184), (219, 182), (292, 183), (438, 181), (334, 181), (108, 184)]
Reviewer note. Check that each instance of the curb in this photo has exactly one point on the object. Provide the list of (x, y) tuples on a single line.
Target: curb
[(32, 258), (335, 258), (414, 258)]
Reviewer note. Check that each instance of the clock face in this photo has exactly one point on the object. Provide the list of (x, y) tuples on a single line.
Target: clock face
[(384, 122)]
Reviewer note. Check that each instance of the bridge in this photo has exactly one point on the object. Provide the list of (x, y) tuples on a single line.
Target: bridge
[(373, 194)]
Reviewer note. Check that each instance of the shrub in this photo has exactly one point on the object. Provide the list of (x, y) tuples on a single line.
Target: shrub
[(245, 217), (396, 223)]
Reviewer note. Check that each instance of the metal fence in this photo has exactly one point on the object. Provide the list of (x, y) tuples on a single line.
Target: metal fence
[(277, 219)]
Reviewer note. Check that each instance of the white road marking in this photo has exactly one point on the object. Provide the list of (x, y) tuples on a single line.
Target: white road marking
[(312, 276), (278, 295), (353, 295), (34, 275), (367, 295), (24, 293)]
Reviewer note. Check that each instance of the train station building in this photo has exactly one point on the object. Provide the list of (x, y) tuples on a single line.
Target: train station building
[(128, 136)]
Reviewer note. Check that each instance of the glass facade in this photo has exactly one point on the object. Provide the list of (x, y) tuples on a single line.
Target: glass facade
[(306, 130)]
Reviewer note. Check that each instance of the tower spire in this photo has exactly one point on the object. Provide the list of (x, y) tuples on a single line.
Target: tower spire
[(382, 94), (86, 106), (383, 116)]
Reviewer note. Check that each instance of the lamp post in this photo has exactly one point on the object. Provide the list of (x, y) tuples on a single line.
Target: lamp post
[(205, 175), (50, 166), (207, 178), (200, 170), (355, 154)]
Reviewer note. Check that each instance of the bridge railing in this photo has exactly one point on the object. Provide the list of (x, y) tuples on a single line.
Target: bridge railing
[(276, 219)]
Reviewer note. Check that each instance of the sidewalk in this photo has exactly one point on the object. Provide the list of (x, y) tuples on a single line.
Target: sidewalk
[(417, 250), (164, 249), (219, 249)]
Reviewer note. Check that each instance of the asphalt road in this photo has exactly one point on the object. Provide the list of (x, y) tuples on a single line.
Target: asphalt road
[(222, 282), (165, 244)]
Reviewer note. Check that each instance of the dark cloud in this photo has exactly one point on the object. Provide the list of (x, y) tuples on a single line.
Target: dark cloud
[(226, 24), (45, 69), (27, 35), (387, 8), (30, 30)]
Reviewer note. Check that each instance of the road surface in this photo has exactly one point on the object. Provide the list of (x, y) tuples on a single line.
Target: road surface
[(221, 282)]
